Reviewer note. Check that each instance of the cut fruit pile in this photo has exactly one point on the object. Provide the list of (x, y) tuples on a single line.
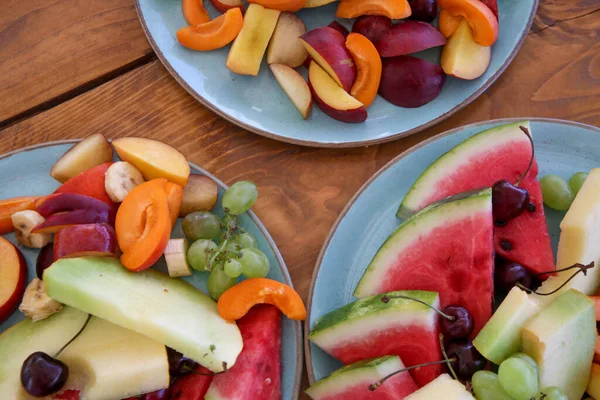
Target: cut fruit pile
[(475, 231), (102, 324), (348, 70)]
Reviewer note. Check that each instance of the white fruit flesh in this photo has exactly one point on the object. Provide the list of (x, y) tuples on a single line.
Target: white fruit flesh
[(176, 257), (561, 340), (294, 86), (24, 222), (443, 387), (36, 303), (285, 46), (120, 179), (462, 57), (88, 153)]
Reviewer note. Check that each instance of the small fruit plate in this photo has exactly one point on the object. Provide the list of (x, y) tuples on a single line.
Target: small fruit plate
[(26, 173), (259, 105), (561, 147)]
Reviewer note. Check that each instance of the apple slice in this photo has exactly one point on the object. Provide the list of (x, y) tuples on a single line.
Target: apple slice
[(199, 194), (462, 57), (294, 85), (332, 99), (223, 5), (285, 47), (409, 37), (89, 183), (317, 3), (13, 278), (100, 240), (327, 47), (249, 46), (88, 153)]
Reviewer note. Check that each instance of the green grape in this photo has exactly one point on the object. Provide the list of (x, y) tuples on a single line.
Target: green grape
[(246, 240), (232, 245), (201, 225), (233, 268), (552, 393), (487, 386), (239, 197), (518, 378), (253, 263), (529, 360), (198, 254), (218, 282), (557, 193), (576, 181), (227, 219)]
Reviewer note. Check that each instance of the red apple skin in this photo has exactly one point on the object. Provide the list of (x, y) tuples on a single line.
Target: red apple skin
[(222, 8), (58, 222), (85, 240), (44, 260), (351, 116), (65, 202), (372, 26), (338, 27), (89, 183), (409, 37), (12, 257)]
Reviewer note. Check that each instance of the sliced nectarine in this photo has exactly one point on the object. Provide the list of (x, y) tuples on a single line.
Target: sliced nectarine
[(285, 46), (194, 12), (448, 23), (13, 278), (394, 9), (223, 5), (89, 153), (409, 37), (214, 34), (481, 19), (10, 206), (462, 57), (372, 26), (294, 85), (281, 5), (368, 62)]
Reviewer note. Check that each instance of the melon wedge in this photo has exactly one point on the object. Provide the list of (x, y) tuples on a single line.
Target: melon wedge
[(498, 153), (370, 328), (352, 381), (443, 387), (446, 248), (168, 310)]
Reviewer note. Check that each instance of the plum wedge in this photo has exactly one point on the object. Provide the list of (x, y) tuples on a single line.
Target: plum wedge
[(409, 37)]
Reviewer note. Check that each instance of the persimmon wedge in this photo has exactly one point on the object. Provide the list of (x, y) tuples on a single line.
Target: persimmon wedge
[(281, 5), (368, 64), (194, 12), (393, 9), (10, 206), (214, 34), (481, 19)]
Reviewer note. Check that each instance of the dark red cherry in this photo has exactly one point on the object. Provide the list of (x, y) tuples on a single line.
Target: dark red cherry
[(508, 201), (178, 364), (44, 260), (460, 326), (423, 10), (158, 395), (467, 360), (43, 375), (508, 273)]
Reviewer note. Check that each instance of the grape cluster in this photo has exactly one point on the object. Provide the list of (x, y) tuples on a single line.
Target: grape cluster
[(558, 193)]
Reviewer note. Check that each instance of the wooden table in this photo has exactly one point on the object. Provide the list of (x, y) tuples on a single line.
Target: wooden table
[(71, 68)]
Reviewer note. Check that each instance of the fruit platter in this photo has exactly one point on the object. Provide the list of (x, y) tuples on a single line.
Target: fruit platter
[(335, 73), (467, 268), (128, 273)]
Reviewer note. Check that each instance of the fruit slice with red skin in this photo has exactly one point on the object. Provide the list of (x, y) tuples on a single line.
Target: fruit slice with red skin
[(223, 5), (62, 220), (89, 183), (448, 248), (372, 26), (191, 386), (339, 27), (492, 5), (369, 328), (409, 37), (85, 240), (498, 153), (352, 381), (256, 374), (13, 278)]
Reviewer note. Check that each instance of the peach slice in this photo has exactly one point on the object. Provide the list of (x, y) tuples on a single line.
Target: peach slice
[(199, 194), (462, 57), (409, 37), (194, 12), (394, 9), (285, 47), (100, 240), (224, 5), (317, 3), (249, 46), (281, 5), (154, 159), (332, 99), (13, 278), (294, 85), (89, 153), (327, 47), (481, 19)]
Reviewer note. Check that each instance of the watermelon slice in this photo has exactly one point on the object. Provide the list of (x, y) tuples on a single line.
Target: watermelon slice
[(499, 153), (447, 248), (191, 386), (352, 381), (256, 374), (370, 328)]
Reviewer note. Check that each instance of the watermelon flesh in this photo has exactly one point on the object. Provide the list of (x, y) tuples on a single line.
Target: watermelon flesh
[(352, 381), (369, 328), (191, 386), (256, 374), (446, 248), (499, 153)]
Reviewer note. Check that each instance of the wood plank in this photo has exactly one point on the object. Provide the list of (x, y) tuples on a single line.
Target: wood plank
[(50, 47), (551, 12)]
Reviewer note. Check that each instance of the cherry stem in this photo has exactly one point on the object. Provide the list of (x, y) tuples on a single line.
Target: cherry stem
[(448, 360), (580, 267), (74, 337), (374, 386), (387, 298), (526, 131)]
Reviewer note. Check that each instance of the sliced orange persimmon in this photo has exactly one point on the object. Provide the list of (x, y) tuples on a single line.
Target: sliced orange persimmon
[(394, 9), (448, 23), (368, 64), (214, 34), (237, 300), (10, 206), (479, 16), (194, 12), (143, 225), (281, 5), (174, 194)]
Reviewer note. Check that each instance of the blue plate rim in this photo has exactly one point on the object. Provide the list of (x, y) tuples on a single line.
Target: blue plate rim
[(359, 192), (309, 143), (255, 219)]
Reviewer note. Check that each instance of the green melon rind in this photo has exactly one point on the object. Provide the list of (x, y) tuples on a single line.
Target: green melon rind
[(451, 161), (365, 371), (449, 210)]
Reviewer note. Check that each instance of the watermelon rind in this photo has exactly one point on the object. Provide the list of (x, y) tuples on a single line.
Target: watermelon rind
[(450, 163), (365, 372), (451, 210)]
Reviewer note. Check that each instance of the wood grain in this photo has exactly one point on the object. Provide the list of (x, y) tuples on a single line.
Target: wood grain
[(52, 47)]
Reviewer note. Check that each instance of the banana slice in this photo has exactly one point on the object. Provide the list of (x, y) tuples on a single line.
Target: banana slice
[(176, 256), (24, 222), (36, 304), (120, 179)]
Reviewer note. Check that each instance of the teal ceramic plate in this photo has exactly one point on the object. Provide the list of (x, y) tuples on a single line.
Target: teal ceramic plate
[(561, 148), (26, 173), (258, 104)]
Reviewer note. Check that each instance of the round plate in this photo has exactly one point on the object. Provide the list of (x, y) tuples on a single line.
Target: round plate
[(259, 105), (26, 173), (561, 147)]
